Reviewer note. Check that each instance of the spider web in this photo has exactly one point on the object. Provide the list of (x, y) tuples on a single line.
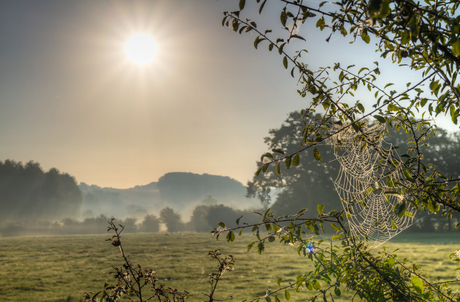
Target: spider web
[(366, 176)]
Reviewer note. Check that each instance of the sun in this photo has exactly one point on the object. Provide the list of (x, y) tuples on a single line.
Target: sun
[(141, 48)]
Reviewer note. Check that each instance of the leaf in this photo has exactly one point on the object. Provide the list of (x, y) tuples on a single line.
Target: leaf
[(317, 154), (365, 37), (393, 224), (276, 299), (432, 206), (401, 209), (361, 107), (417, 283), (278, 151), (287, 295), (335, 227), (297, 37), (320, 23), (408, 175), (278, 168), (260, 247), (456, 47), (317, 285), (238, 220), (287, 161), (242, 4), (379, 118), (279, 281), (250, 245), (262, 6), (320, 208), (296, 160), (221, 224), (337, 291), (230, 236), (285, 62)]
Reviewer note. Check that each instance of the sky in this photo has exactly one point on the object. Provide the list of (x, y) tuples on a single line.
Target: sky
[(71, 99)]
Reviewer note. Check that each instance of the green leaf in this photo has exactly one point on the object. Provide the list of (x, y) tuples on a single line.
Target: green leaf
[(405, 37), (287, 295), (320, 208), (401, 209), (456, 47), (317, 154), (432, 206), (262, 6), (317, 285), (337, 291), (335, 227), (278, 168), (296, 160), (285, 62), (379, 118), (230, 236), (417, 283), (276, 299), (297, 37), (361, 107), (408, 175), (221, 224), (238, 220), (365, 37), (393, 224), (260, 247), (320, 23), (287, 161), (279, 281), (278, 151), (250, 245), (258, 171), (242, 3)]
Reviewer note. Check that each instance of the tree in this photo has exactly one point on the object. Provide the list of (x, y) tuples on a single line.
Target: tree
[(311, 181), (151, 223), (172, 220), (421, 37), (300, 187)]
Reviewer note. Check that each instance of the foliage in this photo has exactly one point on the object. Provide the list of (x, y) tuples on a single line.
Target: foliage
[(142, 284), (422, 37), (28, 193), (172, 220), (311, 181), (151, 223)]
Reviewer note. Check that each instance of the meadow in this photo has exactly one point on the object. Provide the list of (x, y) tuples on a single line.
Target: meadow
[(62, 268)]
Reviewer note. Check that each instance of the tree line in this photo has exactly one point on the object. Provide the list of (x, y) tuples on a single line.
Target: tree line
[(27, 192), (203, 219)]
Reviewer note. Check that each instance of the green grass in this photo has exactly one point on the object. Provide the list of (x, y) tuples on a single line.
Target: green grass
[(62, 268)]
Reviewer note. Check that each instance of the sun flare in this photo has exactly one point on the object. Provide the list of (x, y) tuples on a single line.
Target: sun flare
[(141, 48)]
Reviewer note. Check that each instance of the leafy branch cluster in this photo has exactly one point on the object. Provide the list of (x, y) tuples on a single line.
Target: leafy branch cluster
[(344, 263)]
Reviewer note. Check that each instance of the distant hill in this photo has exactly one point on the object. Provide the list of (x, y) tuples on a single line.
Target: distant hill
[(181, 191)]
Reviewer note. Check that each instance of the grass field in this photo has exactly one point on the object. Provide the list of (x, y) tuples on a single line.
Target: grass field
[(62, 268)]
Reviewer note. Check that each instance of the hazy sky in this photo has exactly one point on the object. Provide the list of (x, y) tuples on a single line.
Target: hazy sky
[(71, 99)]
